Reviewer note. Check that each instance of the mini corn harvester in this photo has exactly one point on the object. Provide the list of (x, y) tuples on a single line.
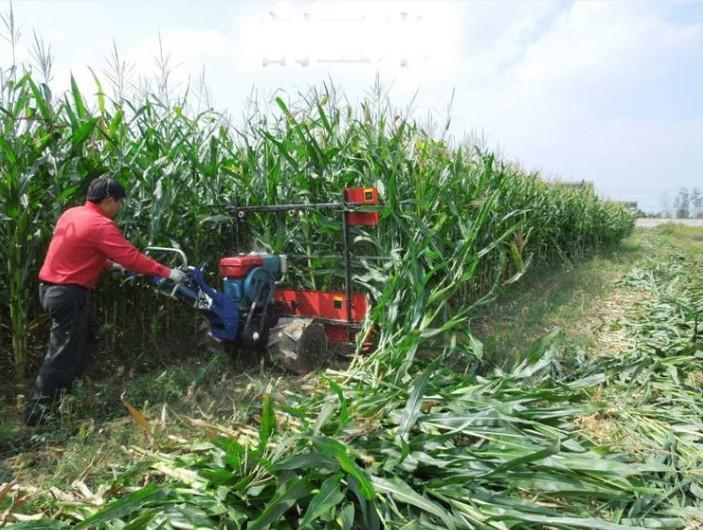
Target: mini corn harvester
[(256, 310)]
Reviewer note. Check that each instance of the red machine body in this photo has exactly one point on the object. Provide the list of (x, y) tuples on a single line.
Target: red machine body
[(329, 307)]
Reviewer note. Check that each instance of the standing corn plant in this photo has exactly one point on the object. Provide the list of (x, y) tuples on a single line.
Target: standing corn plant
[(456, 222)]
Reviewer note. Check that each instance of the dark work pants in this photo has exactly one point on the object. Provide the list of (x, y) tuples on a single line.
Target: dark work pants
[(73, 340)]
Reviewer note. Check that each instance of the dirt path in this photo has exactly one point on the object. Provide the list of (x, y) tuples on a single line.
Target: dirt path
[(585, 300), (652, 222), (582, 299)]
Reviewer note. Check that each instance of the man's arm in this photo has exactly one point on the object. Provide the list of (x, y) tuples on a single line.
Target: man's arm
[(116, 248)]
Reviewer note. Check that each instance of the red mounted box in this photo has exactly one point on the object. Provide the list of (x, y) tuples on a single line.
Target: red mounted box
[(363, 218), (238, 266), (361, 197), (358, 196)]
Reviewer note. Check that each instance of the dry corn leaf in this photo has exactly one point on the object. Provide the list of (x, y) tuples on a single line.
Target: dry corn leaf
[(6, 488), (139, 418)]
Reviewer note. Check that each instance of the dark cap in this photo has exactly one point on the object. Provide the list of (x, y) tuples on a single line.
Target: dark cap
[(104, 187)]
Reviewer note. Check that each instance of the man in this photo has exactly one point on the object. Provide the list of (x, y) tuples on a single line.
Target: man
[(85, 242)]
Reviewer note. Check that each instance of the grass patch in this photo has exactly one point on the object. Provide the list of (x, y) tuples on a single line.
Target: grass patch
[(560, 296), (95, 432)]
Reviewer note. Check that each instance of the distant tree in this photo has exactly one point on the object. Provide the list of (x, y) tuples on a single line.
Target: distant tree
[(665, 206), (696, 203), (682, 204)]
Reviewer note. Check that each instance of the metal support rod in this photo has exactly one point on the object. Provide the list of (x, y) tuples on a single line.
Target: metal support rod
[(236, 229), (239, 213), (235, 233), (347, 275)]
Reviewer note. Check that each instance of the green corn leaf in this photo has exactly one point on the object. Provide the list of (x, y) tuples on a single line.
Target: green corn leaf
[(7, 151), (44, 108), (338, 451), (81, 111), (115, 123), (100, 93), (280, 504), (525, 459), (401, 492), (268, 421), (83, 132), (413, 404), (346, 517), (324, 500), (130, 503), (306, 461)]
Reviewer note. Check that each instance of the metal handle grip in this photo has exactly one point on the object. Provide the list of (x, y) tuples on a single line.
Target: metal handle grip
[(176, 251)]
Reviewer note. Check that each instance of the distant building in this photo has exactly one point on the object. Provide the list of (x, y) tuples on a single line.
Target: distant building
[(629, 205), (576, 184)]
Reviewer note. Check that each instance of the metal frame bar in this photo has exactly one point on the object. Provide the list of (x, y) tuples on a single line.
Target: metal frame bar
[(290, 207), (337, 256)]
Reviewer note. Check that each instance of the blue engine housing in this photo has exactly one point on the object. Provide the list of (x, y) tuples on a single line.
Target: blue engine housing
[(225, 310), (256, 286)]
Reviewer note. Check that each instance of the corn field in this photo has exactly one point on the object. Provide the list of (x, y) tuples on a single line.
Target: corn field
[(456, 222)]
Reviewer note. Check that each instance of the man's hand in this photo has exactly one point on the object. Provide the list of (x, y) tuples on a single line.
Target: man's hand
[(177, 276), (117, 269)]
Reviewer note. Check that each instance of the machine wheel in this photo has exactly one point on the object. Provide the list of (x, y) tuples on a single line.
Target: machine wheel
[(253, 339), (298, 344)]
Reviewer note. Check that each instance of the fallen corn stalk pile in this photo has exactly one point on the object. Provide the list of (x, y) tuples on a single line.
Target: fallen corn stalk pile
[(442, 449)]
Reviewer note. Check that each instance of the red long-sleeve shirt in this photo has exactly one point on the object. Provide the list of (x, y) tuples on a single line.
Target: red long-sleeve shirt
[(84, 242)]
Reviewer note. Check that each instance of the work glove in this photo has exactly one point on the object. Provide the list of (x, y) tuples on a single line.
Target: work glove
[(118, 270), (177, 276)]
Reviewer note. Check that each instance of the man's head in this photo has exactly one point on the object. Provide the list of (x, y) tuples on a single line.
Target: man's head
[(108, 194)]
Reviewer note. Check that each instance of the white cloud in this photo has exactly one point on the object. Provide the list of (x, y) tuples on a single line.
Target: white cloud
[(594, 41), (581, 96)]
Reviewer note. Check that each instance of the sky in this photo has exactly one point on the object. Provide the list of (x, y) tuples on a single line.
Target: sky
[(609, 92)]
